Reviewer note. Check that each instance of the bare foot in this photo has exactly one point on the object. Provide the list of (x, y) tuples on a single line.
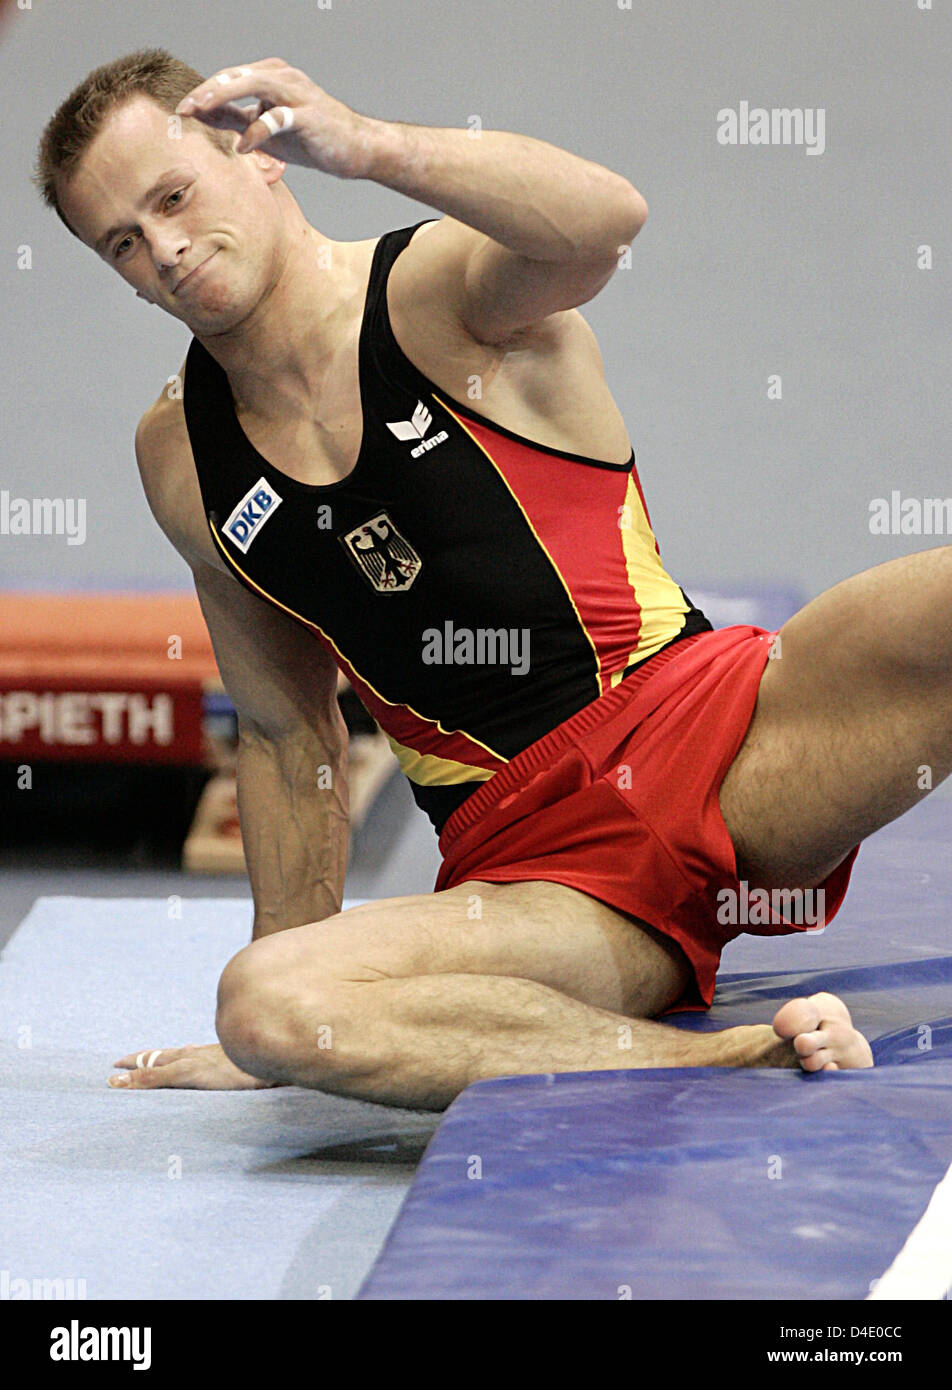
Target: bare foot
[(815, 1033), (822, 1034)]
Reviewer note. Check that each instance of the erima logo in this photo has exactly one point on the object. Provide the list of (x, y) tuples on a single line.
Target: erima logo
[(254, 509), (416, 429)]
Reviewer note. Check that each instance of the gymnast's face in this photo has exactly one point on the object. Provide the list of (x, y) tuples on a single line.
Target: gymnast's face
[(157, 208)]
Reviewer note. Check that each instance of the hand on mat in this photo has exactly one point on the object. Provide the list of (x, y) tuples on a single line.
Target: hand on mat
[(192, 1068), (293, 120)]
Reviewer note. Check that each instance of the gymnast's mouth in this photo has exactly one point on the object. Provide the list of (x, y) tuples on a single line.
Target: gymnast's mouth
[(194, 271)]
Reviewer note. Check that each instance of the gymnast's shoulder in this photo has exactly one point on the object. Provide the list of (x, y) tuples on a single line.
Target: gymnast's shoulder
[(169, 477)]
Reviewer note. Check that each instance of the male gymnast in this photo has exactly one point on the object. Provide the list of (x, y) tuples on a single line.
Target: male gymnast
[(399, 457)]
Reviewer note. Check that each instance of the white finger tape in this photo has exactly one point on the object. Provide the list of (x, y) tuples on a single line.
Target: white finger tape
[(139, 1062), (152, 1056), (276, 126)]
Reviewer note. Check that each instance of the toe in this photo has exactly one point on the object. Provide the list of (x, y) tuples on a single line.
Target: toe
[(831, 1007), (849, 1047), (817, 1061), (806, 1044), (796, 1017)]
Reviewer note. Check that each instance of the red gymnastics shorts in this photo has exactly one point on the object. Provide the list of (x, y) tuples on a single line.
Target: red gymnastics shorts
[(621, 802)]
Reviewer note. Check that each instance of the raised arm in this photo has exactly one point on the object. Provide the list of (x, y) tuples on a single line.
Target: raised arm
[(530, 229)]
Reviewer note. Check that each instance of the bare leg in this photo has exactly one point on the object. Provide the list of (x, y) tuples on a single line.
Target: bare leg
[(348, 1006), (853, 724), (419, 1042)]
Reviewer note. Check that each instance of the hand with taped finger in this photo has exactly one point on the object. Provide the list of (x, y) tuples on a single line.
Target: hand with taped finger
[(191, 1068), (293, 119)]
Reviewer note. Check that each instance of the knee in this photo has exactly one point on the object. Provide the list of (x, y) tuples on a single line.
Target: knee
[(248, 1019), (265, 1016)]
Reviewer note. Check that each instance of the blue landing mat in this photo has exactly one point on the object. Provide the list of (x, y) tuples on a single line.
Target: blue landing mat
[(714, 1182), (671, 1184)]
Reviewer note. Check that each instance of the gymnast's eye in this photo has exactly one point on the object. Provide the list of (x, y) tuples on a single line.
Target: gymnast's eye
[(179, 193)]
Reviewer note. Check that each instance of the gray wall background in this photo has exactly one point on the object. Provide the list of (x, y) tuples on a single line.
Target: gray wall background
[(753, 261)]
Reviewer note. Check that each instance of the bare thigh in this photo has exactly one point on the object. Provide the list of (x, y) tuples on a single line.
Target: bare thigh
[(853, 723), (534, 931)]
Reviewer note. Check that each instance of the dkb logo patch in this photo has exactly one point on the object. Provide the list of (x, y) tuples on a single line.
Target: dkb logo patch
[(254, 509)]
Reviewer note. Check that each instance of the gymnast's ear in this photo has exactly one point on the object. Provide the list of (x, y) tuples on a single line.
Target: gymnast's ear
[(272, 168)]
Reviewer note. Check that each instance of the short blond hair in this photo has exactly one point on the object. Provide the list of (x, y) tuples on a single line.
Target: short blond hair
[(149, 72)]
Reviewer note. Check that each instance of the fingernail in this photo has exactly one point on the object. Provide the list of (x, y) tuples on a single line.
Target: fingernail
[(184, 106), (119, 1080)]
